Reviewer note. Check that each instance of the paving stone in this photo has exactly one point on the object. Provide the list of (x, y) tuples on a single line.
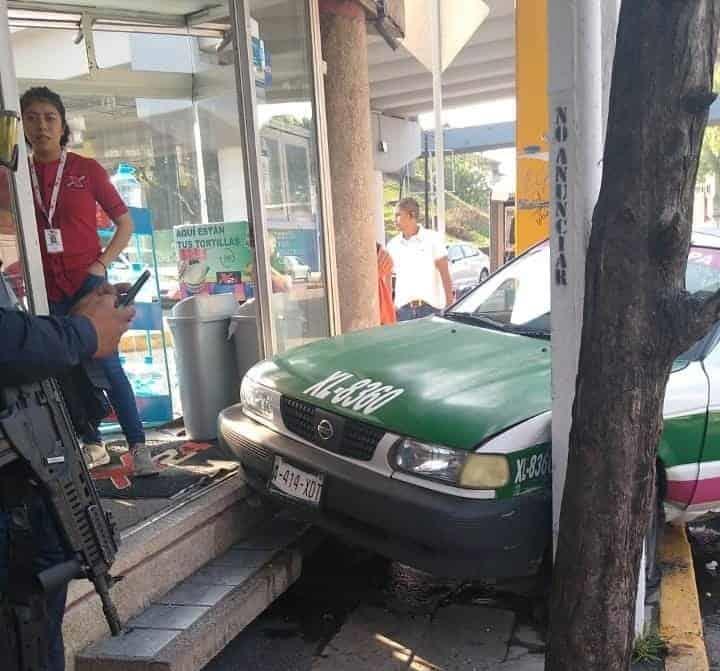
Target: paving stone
[(133, 644), (467, 638), (279, 533), (222, 574), (202, 630), (373, 639), (241, 556), (190, 594), (529, 637), (168, 617), (531, 662), (516, 652), (459, 638)]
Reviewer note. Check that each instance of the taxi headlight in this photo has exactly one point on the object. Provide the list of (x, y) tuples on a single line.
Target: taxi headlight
[(257, 398), (454, 467)]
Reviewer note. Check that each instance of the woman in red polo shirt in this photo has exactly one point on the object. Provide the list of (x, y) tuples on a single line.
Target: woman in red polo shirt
[(67, 188)]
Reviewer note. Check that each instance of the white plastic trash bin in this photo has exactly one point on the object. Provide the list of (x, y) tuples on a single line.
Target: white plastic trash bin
[(205, 360)]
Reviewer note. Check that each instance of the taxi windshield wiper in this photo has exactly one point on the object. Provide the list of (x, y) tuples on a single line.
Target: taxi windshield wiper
[(530, 332), (481, 320)]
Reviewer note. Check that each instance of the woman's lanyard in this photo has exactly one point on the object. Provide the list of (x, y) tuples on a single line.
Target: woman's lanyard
[(53, 236)]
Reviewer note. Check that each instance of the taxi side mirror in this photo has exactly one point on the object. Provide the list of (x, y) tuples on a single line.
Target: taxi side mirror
[(9, 127)]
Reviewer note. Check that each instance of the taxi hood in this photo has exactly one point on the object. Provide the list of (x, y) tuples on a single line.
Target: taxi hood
[(460, 383)]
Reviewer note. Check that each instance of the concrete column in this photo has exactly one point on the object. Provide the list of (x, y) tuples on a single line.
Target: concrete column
[(347, 102), (575, 92)]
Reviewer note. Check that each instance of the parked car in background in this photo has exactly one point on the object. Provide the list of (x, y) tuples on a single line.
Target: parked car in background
[(468, 266), (429, 441), (296, 268)]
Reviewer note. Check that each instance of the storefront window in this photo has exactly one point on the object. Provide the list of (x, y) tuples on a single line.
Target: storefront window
[(161, 116), (160, 112), (288, 141)]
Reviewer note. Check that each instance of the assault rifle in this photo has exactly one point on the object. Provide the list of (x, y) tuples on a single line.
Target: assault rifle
[(38, 432)]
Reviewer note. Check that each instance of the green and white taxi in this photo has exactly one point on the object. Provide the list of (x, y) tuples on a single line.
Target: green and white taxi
[(429, 441)]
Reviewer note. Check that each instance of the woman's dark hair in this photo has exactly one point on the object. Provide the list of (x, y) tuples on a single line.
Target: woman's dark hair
[(45, 95)]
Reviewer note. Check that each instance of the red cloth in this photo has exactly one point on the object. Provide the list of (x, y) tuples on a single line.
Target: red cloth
[(387, 307), (385, 268), (84, 185)]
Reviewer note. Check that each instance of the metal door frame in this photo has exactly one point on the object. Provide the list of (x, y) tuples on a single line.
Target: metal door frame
[(319, 69), (23, 205), (28, 241), (247, 103)]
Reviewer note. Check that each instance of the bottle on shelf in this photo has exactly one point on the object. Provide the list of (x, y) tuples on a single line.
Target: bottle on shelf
[(128, 186)]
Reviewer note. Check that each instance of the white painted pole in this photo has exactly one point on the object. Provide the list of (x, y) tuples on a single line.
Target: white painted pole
[(435, 37), (576, 144), (582, 47)]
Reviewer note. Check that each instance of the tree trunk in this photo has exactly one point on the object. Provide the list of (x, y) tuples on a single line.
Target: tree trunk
[(637, 320)]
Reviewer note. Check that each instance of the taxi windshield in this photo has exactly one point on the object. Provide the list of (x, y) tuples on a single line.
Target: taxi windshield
[(515, 299)]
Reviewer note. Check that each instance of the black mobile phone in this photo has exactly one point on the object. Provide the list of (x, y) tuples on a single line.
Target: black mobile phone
[(129, 297)]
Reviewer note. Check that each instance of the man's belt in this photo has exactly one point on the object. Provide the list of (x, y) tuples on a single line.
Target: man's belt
[(416, 304)]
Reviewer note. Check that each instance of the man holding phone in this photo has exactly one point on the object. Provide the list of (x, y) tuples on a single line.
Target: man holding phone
[(126, 298), (35, 348)]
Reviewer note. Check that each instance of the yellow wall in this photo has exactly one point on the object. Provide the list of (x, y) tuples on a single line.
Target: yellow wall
[(531, 81)]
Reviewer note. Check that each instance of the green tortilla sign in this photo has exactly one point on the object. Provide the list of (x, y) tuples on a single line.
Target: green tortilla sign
[(214, 258)]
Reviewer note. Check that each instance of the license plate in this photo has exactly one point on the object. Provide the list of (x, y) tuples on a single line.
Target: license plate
[(296, 483)]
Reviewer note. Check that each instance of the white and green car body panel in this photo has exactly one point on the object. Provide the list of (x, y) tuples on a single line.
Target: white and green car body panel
[(477, 388)]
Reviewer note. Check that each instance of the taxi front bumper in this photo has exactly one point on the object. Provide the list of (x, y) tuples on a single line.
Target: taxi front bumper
[(445, 535)]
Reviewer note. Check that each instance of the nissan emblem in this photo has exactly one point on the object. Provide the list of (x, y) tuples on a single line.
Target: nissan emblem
[(325, 429)]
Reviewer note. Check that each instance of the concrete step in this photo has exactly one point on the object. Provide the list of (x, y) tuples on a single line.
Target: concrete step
[(159, 553), (185, 628)]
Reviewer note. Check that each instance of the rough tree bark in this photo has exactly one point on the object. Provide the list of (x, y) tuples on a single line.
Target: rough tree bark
[(637, 320)]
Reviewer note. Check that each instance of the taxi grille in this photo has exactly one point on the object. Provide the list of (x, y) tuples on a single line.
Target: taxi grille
[(298, 417), (357, 440)]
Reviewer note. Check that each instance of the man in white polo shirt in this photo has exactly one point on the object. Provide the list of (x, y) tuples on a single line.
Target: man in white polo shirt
[(422, 277)]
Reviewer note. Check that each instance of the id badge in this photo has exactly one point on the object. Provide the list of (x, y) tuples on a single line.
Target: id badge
[(53, 241)]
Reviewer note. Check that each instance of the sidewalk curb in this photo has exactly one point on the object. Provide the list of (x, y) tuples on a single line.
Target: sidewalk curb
[(680, 619)]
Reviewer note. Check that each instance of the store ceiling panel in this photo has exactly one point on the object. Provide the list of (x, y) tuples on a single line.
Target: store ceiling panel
[(484, 70), (197, 17), (400, 85), (168, 7)]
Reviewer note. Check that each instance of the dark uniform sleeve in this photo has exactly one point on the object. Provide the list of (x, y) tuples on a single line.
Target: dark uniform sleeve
[(33, 348)]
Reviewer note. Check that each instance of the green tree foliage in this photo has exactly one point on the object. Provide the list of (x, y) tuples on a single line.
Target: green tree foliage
[(472, 176), (710, 155), (468, 184)]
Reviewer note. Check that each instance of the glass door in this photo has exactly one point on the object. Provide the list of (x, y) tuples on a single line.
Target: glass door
[(160, 115), (290, 213)]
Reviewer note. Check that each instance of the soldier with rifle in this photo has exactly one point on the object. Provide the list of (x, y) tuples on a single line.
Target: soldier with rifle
[(52, 526)]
